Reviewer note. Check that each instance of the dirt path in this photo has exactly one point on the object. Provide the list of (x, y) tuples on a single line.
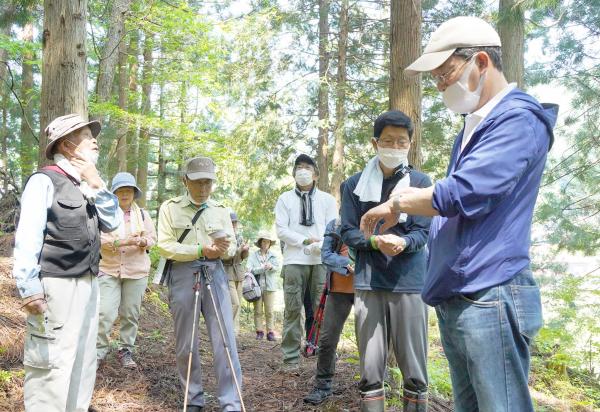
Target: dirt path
[(155, 387)]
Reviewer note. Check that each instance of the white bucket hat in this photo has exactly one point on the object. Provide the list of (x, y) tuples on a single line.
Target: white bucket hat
[(456, 33), (64, 125)]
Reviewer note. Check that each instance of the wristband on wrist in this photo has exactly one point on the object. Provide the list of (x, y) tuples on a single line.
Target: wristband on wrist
[(306, 242), (116, 243), (373, 240), (200, 251)]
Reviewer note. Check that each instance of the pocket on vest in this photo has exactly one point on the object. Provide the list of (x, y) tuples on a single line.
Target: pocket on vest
[(69, 220), (42, 344)]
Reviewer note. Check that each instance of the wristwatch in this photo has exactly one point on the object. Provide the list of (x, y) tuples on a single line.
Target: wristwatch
[(396, 204)]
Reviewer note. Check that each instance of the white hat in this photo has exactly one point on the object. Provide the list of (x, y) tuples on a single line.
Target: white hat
[(63, 125), (459, 32)]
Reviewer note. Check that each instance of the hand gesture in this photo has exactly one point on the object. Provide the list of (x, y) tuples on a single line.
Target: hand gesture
[(36, 305), (268, 266), (216, 249), (87, 170), (384, 212), (390, 245)]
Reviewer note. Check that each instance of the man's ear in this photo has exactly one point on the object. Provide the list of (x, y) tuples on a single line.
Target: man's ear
[(374, 143), (482, 60)]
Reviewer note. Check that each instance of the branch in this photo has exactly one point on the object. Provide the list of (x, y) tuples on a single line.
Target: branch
[(11, 86)]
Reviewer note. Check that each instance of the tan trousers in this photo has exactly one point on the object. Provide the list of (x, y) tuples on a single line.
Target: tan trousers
[(60, 347), (235, 291), (267, 301), (123, 298)]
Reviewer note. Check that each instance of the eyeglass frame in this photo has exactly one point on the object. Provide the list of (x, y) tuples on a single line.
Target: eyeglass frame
[(443, 78)]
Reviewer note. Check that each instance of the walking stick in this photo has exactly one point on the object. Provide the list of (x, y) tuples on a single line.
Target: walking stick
[(208, 280), (194, 325)]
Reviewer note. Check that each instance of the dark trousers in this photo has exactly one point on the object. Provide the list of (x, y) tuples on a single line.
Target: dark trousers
[(337, 309)]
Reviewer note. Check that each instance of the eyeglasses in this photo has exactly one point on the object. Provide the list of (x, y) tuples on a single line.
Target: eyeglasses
[(446, 76)]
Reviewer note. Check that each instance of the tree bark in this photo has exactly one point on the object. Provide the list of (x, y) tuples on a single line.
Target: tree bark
[(4, 102), (132, 106), (323, 97), (27, 143), (511, 28), (162, 162), (110, 52), (64, 71), (405, 47), (123, 94), (142, 170), (340, 109)]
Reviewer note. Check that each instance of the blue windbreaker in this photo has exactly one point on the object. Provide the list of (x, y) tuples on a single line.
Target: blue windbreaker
[(482, 236)]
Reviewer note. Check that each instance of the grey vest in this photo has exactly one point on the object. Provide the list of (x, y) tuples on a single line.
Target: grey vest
[(72, 236)]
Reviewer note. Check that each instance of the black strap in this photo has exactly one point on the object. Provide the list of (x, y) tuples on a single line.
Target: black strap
[(167, 269)]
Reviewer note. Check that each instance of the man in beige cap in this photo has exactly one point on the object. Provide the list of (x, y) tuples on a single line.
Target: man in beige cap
[(478, 276), (57, 249), (195, 231)]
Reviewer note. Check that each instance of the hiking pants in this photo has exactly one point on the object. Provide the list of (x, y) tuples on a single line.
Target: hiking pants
[(181, 304), (60, 347)]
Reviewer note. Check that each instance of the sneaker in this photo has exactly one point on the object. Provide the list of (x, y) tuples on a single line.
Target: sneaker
[(260, 335), (271, 337), (317, 396), (125, 359)]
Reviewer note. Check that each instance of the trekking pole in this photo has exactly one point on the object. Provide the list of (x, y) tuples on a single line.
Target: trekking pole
[(208, 279), (194, 325)]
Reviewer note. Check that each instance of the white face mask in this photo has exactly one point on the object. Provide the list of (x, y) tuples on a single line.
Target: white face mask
[(392, 158), (303, 177), (458, 98)]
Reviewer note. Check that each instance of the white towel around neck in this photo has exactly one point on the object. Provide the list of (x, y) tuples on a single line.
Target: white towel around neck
[(369, 185)]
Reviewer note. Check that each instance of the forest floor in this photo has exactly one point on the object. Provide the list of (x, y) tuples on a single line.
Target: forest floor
[(154, 385)]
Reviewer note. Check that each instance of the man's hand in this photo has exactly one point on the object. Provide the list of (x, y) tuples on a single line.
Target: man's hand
[(268, 266), (35, 304), (217, 249), (350, 269), (88, 172), (245, 247), (384, 212), (390, 245), (311, 240)]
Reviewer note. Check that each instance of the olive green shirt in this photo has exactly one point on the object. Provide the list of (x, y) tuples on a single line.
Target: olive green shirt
[(176, 215)]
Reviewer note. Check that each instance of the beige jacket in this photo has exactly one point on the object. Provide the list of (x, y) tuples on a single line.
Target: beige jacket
[(176, 215), (127, 262)]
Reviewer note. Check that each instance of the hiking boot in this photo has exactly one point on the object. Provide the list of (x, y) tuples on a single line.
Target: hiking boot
[(317, 396), (125, 359), (414, 401), (260, 335), (271, 337), (291, 368)]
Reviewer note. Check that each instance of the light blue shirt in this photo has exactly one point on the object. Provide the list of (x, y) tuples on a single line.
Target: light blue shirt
[(36, 199)]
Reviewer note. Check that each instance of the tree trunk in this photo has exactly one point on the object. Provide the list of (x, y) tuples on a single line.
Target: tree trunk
[(64, 71), (405, 47), (133, 102), (511, 28), (110, 52), (340, 109), (323, 105), (122, 131), (162, 162), (27, 143), (4, 102), (142, 171)]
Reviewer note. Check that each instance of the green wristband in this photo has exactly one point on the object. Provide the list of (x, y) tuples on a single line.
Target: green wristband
[(373, 242), (199, 251)]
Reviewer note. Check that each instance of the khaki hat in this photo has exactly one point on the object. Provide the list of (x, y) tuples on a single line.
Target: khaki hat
[(265, 234), (459, 32), (200, 168), (62, 126)]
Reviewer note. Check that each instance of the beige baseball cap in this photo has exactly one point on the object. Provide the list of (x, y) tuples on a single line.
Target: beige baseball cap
[(459, 32), (62, 126), (200, 168)]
